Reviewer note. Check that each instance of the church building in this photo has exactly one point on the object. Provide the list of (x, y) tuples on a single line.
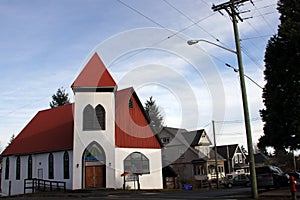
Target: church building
[(90, 143)]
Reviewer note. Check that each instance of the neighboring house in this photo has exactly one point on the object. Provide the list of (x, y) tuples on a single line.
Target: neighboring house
[(211, 163), (261, 160), (87, 144), (187, 153), (235, 158)]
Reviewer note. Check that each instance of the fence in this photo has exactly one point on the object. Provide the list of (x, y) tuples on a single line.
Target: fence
[(43, 185)]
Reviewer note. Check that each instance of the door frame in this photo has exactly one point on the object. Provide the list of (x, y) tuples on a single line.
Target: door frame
[(96, 161)]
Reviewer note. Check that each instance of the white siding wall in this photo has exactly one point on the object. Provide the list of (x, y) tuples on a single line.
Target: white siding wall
[(153, 180), (39, 162), (105, 138)]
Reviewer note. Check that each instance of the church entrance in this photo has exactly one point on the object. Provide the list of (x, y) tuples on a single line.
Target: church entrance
[(94, 167)]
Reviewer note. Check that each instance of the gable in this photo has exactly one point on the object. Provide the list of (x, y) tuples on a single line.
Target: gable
[(227, 150), (132, 129), (49, 130)]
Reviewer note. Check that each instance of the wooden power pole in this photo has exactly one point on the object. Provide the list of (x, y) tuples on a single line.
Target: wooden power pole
[(231, 8)]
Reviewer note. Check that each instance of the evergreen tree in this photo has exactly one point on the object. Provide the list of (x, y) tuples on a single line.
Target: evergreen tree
[(282, 91), (60, 98), (154, 114)]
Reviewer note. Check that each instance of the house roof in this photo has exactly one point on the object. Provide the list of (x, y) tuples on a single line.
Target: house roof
[(49, 130), (230, 149), (94, 75), (194, 137)]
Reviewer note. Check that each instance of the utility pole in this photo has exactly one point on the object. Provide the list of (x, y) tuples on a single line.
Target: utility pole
[(216, 159), (231, 8)]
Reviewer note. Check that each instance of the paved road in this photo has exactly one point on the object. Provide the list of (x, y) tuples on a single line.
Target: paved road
[(233, 193)]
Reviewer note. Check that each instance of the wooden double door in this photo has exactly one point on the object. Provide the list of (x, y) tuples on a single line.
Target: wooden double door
[(95, 176)]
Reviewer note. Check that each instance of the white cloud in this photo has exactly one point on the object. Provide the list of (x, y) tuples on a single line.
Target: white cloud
[(45, 44)]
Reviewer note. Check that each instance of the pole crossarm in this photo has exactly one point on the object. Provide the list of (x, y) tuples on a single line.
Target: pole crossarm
[(232, 4)]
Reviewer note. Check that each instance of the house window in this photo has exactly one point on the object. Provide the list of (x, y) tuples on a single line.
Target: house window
[(165, 140), (236, 159), (199, 169), (100, 113), (130, 103), (18, 168), (241, 158), (93, 119), (7, 168), (66, 166), (136, 162), (29, 167), (50, 166)]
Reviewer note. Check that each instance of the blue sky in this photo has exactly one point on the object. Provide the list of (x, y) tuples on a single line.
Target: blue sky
[(44, 45)]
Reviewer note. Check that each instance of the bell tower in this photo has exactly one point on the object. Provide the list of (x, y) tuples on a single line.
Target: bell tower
[(94, 122)]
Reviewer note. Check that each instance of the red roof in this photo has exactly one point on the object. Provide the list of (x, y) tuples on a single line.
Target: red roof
[(52, 129), (94, 74), (49, 130), (132, 125)]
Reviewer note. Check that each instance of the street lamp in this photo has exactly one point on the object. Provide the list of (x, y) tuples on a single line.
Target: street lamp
[(237, 70), (191, 42), (245, 104)]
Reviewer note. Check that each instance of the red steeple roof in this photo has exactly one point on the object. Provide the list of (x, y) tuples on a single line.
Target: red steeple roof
[(94, 75)]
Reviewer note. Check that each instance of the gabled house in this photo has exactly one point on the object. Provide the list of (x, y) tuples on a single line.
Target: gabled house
[(187, 153), (89, 143), (261, 160), (235, 158)]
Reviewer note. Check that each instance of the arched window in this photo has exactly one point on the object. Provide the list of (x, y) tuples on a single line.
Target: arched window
[(94, 119), (100, 113), (66, 166), (88, 118), (18, 168), (7, 168), (136, 162), (50, 166), (29, 173)]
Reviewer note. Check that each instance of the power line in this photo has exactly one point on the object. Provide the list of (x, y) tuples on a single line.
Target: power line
[(172, 33), (189, 18), (263, 17), (140, 13)]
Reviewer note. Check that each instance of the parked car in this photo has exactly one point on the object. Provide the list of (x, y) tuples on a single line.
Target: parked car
[(236, 180), (271, 177)]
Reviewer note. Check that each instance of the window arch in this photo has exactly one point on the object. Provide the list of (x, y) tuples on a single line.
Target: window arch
[(100, 113), (29, 173), (136, 162), (50, 166), (66, 165), (18, 168), (88, 117), (94, 119), (7, 168)]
